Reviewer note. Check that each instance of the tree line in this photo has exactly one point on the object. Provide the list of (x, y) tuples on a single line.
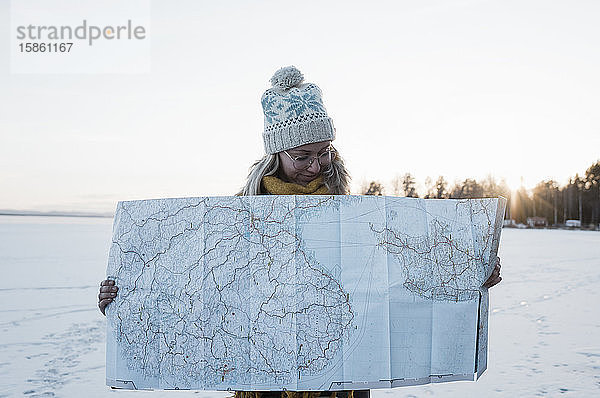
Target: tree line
[(579, 199)]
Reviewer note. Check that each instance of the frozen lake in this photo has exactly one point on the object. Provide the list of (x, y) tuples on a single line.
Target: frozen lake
[(544, 322)]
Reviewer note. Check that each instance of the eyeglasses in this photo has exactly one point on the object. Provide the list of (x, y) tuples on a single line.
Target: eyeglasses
[(303, 162)]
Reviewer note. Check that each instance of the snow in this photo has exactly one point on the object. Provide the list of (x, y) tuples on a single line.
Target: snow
[(544, 320)]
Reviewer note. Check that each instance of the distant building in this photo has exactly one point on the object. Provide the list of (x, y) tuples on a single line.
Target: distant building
[(537, 222), (573, 224), (509, 223)]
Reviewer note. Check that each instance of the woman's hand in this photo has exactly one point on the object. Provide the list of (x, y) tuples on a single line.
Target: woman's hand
[(108, 291), (495, 278)]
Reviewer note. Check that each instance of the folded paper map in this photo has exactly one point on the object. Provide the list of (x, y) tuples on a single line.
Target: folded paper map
[(299, 292)]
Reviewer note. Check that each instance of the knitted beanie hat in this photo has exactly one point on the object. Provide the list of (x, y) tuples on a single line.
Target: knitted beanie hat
[(294, 112)]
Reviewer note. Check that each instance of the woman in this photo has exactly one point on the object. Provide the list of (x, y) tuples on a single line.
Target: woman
[(299, 160)]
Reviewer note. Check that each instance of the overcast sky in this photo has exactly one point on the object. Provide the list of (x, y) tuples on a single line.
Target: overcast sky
[(453, 88)]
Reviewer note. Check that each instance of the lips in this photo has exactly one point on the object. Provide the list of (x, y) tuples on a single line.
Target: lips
[(309, 178)]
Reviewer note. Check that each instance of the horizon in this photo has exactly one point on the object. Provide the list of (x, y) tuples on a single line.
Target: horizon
[(358, 188), (103, 211)]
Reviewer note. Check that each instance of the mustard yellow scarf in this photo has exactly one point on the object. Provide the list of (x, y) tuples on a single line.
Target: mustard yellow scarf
[(276, 186)]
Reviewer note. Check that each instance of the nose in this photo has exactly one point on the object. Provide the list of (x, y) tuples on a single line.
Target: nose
[(314, 167)]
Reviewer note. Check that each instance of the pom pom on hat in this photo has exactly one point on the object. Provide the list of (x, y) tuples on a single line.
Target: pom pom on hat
[(287, 77)]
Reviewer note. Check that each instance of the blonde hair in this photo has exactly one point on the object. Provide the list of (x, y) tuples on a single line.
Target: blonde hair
[(335, 176)]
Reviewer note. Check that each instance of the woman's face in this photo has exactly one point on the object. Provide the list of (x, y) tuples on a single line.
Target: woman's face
[(287, 171)]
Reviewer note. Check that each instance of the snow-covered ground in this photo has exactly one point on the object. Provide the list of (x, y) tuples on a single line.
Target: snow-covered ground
[(544, 324)]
